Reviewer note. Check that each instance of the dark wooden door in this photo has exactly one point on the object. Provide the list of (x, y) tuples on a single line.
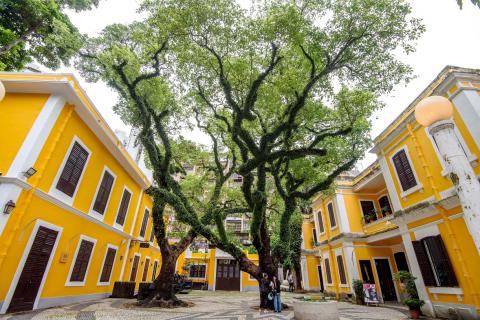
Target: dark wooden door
[(228, 275), (385, 278), (133, 273), (320, 277), (33, 271)]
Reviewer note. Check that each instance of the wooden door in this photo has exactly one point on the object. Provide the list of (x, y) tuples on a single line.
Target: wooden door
[(320, 278), (32, 274), (228, 275), (133, 273), (385, 278)]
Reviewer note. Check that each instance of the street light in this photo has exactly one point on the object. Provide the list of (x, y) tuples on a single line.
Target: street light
[(435, 112)]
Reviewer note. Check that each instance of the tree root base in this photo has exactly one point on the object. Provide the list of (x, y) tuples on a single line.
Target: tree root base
[(166, 304)]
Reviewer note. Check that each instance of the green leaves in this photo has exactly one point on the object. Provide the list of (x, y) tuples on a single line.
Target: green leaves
[(38, 30)]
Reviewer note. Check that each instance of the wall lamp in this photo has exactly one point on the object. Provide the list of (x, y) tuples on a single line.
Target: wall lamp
[(9, 206), (30, 172)]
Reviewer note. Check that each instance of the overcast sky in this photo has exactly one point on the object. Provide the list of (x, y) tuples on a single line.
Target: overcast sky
[(452, 38)]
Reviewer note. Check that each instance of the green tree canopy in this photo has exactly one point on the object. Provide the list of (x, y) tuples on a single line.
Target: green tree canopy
[(285, 89), (38, 30)]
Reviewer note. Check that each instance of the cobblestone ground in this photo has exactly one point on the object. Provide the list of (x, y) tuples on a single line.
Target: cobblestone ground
[(208, 305)]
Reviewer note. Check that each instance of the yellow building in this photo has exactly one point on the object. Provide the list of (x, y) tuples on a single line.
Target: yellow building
[(404, 213), (73, 211), (213, 269)]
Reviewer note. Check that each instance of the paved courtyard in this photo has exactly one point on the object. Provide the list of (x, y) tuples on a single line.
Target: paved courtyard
[(208, 305)]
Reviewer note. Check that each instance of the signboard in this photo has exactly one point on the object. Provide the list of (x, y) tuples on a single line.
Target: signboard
[(144, 245), (370, 293)]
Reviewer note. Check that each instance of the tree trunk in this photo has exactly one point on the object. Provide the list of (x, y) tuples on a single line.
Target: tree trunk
[(298, 277)]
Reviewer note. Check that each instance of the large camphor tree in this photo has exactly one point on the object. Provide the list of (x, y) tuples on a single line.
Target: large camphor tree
[(133, 60), (39, 30), (286, 88)]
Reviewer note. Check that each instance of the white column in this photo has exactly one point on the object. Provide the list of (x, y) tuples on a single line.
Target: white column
[(467, 103), (304, 267), (462, 175), (342, 213), (351, 262), (415, 269)]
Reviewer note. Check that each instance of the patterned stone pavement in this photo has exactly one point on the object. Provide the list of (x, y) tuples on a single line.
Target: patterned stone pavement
[(207, 305)]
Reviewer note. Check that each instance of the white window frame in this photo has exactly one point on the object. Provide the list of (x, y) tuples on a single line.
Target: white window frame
[(334, 216), (250, 278), (14, 281), (131, 267), (115, 224), (206, 272), (53, 188), (361, 210), (94, 213), (69, 283), (154, 269), (317, 224), (419, 186), (314, 235), (325, 257), (389, 202), (470, 156), (340, 284), (143, 269), (109, 246), (146, 227)]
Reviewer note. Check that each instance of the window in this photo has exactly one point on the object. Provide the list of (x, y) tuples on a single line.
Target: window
[(103, 193), (152, 235), (237, 178), (143, 228), (315, 240), (404, 170), (331, 215), (320, 222), (234, 225), (82, 261), (154, 272), (341, 270), (434, 262), (368, 211), (385, 207), (327, 270), (133, 272), (72, 170), (198, 271), (122, 210), (108, 265), (145, 269)]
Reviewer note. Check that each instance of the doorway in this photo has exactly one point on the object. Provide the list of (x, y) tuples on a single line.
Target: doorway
[(320, 277), (228, 275), (367, 271), (385, 279), (32, 275)]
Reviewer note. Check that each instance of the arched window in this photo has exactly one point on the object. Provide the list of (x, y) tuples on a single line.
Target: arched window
[(385, 207)]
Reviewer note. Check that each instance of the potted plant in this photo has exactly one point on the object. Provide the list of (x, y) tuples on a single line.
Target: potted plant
[(413, 302), (414, 306), (358, 289)]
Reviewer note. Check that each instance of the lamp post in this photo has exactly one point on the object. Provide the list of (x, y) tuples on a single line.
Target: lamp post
[(435, 112)]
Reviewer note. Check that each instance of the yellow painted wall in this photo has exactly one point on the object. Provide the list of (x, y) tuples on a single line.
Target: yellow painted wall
[(18, 112)]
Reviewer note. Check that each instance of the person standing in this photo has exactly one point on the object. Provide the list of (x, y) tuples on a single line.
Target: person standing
[(264, 289), (277, 302), (290, 282)]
